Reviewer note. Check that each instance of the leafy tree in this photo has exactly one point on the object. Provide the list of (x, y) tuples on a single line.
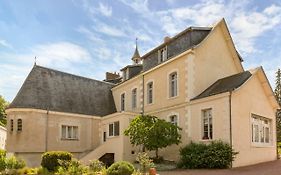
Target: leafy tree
[(277, 93), (3, 105), (153, 133)]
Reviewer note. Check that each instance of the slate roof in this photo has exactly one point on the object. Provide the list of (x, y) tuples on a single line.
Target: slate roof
[(226, 84), (53, 90)]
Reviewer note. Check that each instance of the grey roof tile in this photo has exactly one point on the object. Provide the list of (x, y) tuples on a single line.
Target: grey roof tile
[(53, 90), (226, 84)]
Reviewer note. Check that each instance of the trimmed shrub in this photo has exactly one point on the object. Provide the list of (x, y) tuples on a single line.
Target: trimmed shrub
[(96, 165), (217, 154), (50, 160), (121, 168)]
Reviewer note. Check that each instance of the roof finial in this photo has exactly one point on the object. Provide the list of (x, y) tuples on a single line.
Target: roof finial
[(136, 42), (35, 60)]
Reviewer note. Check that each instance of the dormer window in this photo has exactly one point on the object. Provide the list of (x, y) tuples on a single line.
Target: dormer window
[(162, 54)]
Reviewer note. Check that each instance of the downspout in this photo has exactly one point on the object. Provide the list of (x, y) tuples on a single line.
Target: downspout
[(142, 110), (276, 141), (230, 122), (47, 131)]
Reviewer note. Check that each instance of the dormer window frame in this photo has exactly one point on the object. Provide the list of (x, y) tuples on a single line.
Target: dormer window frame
[(163, 54)]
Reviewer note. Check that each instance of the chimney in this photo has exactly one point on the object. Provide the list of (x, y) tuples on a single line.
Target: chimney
[(111, 76), (167, 39)]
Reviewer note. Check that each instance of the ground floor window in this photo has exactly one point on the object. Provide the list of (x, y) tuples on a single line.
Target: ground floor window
[(261, 129), (114, 129), (207, 122), (174, 119), (69, 132)]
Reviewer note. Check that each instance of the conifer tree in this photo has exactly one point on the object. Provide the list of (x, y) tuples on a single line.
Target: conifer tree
[(277, 93)]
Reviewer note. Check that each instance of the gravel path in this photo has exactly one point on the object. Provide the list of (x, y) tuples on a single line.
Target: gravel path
[(269, 168)]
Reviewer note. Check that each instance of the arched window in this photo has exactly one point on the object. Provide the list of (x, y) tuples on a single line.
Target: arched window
[(19, 124)]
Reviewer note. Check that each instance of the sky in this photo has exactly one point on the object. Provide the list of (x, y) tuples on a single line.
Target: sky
[(90, 37)]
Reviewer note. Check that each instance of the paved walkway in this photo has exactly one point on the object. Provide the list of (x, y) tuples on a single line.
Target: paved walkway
[(269, 168)]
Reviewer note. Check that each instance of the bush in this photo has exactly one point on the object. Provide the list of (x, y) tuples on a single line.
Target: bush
[(27, 170), (14, 163), (121, 168), (214, 155), (96, 165), (72, 167), (50, 160), (2, 160)]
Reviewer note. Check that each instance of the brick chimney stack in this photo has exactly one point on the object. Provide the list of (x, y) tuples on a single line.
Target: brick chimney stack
[(111, 76)]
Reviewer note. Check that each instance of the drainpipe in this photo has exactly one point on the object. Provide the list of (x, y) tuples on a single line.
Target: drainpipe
[(46, 131), (276, 141), (230, 122), (142, 110)]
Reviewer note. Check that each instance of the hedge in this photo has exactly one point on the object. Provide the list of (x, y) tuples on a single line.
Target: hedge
[(216, 154), (50, 160)]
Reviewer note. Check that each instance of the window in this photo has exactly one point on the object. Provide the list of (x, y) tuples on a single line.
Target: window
[(104, 136), (114, 129), (162, 54), (174, 119), (134, 98), (69, 132), (123, 102), (207, 124), (173, 88), (260, 130), (19, 124), (12, 125), (150, 93)]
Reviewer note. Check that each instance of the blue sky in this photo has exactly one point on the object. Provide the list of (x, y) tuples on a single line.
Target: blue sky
[(90, 37)]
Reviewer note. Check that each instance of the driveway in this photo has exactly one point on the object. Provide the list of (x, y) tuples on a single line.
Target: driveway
[(268, 168)]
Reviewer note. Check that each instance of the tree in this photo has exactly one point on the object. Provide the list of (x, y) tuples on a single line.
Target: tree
[(153, 133), (277, 93), (3, 105)]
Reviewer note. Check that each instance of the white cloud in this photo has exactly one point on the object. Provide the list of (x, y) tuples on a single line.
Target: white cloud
[(4, 43), (108, 30), (245, 22), (91, 8), (61, 55), (62, 52), (105, 9)]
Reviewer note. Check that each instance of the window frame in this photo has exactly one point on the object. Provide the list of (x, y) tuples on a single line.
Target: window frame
[(176, 84), (148, 92), (258, 127), (162, 54), (123, 101), (114, 134), (65, 133), (134, 98), (177, 119), (210, 125), (11, 125), (19, 125)]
